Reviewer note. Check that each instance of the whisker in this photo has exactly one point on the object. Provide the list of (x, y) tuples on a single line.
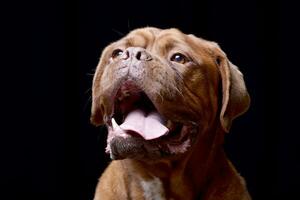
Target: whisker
[(89, 89), (118, 32), (89, 74), (86, 103), (128, 25)]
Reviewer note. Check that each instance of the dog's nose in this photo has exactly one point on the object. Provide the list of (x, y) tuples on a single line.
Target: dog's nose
[(138, 53)]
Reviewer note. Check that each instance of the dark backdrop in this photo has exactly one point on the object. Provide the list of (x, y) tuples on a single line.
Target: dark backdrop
[(50, 150)]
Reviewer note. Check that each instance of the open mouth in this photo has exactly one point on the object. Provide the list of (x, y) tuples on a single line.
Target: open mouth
[(135, 115), (135, 120)]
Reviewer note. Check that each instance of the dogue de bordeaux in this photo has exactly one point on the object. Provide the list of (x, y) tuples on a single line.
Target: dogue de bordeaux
[(167, 99)]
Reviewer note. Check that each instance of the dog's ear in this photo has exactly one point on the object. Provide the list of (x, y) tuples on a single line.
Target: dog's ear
[(235, 97), (97, 111)]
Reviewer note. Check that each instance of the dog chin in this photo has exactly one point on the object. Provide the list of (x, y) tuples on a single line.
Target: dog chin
[(136, 147)]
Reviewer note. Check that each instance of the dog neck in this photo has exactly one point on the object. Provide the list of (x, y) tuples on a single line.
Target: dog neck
[(188, 175)]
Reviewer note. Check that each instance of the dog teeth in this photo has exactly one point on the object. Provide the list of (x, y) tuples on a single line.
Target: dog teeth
[(124, 94), (115, 125)]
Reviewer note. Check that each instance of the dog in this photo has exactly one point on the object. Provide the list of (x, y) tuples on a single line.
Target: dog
[(167, 99)]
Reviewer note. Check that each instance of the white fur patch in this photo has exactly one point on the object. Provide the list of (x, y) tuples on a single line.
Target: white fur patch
[(153, 189)]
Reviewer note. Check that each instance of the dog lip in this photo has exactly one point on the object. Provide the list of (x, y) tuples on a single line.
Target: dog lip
[(136, 113), (139, 148), (125, 99)]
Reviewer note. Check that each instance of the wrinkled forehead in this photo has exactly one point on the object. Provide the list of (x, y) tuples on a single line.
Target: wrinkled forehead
[(154, 39)]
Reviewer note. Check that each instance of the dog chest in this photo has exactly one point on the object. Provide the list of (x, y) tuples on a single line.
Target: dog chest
[(153, 189)]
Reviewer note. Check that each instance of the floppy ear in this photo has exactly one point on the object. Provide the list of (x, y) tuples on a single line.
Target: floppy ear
[(97, 111), (235, 98)]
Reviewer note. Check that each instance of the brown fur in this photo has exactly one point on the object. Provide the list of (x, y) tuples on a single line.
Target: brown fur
[(187, 93)]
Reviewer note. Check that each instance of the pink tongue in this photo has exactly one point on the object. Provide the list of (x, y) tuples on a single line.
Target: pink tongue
[(149, 127)]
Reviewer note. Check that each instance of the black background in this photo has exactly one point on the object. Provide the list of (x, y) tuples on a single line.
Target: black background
[(49, 150)]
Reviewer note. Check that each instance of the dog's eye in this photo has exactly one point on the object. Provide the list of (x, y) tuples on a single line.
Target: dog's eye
[(179, 58), (116, 53)]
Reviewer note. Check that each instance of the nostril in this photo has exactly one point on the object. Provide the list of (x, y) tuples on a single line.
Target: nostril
[(125, 55), (138, 55)]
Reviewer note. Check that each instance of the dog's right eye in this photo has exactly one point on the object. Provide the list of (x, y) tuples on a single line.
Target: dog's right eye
[(116, 53), (179, 58)]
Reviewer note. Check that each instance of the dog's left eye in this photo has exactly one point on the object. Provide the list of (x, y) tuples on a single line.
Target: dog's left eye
[(116, 53), (179, 58)]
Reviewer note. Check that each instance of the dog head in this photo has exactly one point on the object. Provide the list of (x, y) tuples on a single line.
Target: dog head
[(157, 90)]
